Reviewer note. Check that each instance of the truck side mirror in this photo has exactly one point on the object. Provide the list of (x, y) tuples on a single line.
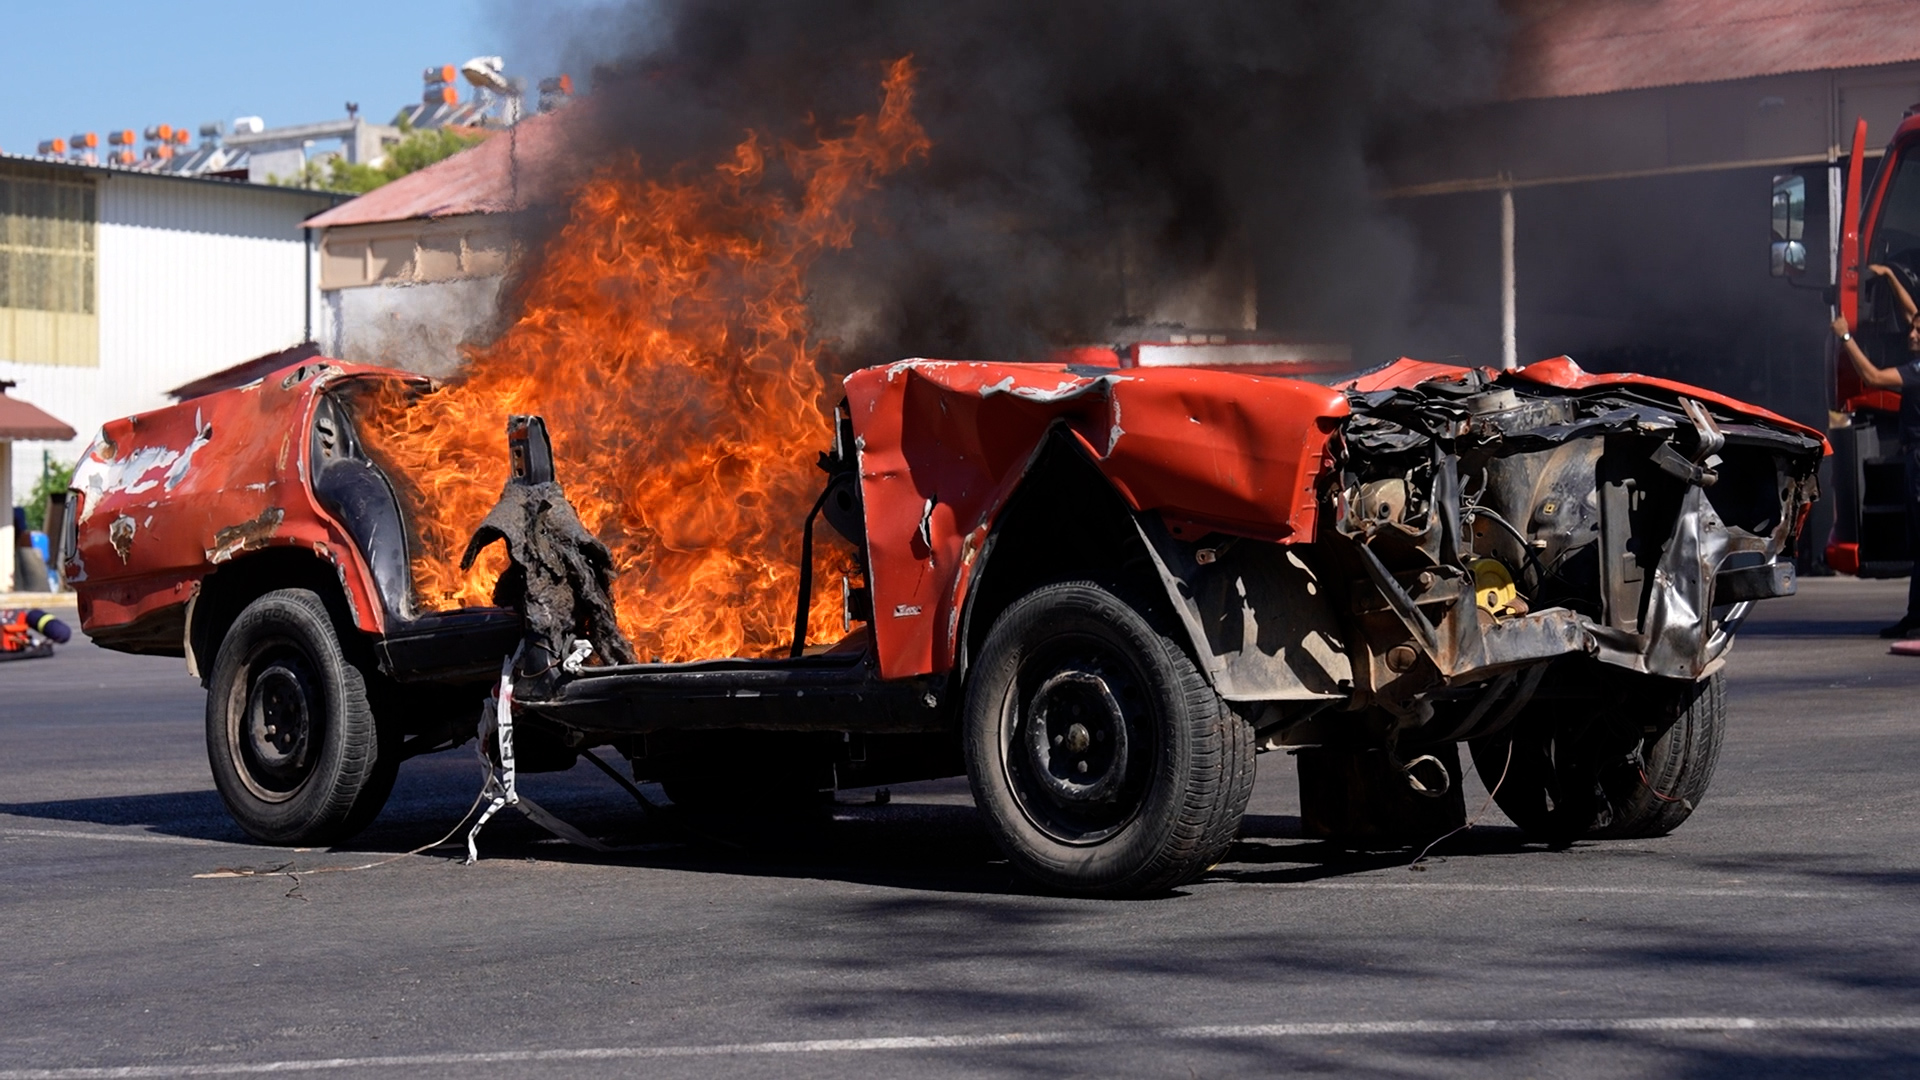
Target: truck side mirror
[(1789, 223)]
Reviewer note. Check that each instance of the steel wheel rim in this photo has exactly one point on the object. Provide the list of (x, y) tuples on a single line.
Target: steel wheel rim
[(275, 722), (1076, 745)]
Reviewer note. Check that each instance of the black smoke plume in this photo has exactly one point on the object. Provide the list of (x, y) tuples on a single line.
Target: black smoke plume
[(1097, 165)]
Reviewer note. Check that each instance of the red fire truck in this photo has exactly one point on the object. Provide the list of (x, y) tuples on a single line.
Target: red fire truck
[(1879, 226)]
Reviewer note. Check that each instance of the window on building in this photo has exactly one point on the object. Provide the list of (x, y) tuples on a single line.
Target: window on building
[(47, 293)]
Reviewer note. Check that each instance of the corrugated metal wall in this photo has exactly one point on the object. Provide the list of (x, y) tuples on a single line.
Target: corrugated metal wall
[(193, 277)]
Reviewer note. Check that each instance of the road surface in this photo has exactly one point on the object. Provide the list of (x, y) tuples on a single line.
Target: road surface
[(1774, 935)]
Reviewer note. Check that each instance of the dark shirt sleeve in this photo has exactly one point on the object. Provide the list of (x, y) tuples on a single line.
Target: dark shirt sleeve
[(1910, 410)]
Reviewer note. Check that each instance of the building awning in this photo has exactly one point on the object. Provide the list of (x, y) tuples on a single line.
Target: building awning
[(20, 421)]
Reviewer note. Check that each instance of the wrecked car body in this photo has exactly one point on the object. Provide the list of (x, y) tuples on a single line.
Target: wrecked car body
[(186, 513), (1096, 588)]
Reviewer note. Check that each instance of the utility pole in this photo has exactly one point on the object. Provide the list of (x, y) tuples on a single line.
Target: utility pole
[(1509, 342)]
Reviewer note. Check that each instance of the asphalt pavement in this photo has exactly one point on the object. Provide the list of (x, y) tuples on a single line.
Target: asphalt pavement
[(1773, 935)]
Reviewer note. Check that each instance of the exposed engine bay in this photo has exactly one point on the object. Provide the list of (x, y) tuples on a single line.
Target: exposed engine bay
[(1504, 523)]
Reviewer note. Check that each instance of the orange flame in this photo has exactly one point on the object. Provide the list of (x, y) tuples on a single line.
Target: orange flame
[(664, 335)]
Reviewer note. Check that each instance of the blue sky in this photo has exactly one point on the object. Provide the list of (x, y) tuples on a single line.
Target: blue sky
[(99, 65)]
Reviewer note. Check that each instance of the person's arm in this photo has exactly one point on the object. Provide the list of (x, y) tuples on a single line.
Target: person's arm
[(1899, 290), (1877, 378)]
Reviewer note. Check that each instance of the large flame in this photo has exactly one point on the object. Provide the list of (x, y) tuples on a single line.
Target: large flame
[(664, 335)]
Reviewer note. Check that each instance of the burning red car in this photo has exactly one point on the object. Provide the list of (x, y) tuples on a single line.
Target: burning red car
[(1098, 589)]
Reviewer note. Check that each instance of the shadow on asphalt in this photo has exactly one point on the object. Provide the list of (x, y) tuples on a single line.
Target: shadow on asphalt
[(943, 847), (1254, 862), (1856, 1056), (947, 849), (197, 815)]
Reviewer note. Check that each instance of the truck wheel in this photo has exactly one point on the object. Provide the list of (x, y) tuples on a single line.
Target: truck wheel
[(1606, 776), (290, 736), (1103, 762)]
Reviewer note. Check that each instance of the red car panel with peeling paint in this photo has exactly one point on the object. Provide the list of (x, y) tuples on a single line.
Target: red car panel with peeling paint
[(943, 445), (167, 497)]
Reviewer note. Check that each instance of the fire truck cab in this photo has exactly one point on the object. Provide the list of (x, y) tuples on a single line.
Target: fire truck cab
[(1879, 226)]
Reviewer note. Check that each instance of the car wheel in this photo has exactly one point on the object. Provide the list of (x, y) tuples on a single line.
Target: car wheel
[(290, 736), (1634, 765), (1103, 762)]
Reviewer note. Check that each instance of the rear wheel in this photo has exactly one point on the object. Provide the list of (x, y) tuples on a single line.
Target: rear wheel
[(1632, 764), (290, 736), (1103, 761)]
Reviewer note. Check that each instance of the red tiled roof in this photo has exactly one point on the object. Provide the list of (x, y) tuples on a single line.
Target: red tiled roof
[(19, 420), (1569, 48), (479, 180)]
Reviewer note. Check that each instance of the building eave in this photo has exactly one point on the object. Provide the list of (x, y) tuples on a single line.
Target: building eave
[(332, 197)]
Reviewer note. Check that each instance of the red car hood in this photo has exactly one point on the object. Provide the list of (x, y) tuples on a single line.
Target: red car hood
[(1562, 373)]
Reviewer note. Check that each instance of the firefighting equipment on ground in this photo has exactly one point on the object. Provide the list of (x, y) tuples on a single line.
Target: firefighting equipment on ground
[(29, 633)]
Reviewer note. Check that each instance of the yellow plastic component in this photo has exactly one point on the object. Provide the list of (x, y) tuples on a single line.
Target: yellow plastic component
[(1493, 587)]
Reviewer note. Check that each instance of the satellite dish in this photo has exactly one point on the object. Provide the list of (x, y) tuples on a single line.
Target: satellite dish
[(485, 72)]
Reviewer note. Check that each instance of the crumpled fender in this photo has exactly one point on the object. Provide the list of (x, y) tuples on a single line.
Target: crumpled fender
[(944, 444)]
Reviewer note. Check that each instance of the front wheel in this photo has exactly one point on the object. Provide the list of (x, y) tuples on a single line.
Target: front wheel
[(1630, 765), (290, 735), (1103, 762)]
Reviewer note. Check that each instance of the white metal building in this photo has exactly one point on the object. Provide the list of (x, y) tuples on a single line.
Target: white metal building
[(116, 286)]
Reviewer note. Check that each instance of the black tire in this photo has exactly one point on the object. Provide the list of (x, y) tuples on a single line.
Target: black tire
[(379, 786), (292, 741), (1633, 765), (1104, 763)]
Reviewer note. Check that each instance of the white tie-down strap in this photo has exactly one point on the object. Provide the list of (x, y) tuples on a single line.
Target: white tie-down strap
[(496, 723), (577, 659)]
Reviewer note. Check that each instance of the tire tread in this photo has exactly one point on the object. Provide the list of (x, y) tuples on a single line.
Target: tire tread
[(1679, 766), (1216, 769), (358, 783)]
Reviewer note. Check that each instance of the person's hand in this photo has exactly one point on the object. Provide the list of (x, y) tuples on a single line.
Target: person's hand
[(1883, 271), (1840, 328)]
